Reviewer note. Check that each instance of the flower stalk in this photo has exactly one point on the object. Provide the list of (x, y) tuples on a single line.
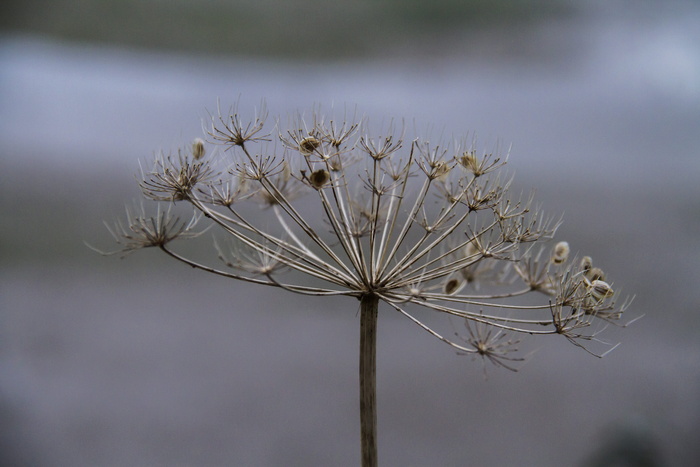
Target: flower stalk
[(369, 307)]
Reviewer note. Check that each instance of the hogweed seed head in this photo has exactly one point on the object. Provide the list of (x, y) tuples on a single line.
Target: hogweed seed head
[(470, 162), (492, 344), (145, 231), (416, 225)]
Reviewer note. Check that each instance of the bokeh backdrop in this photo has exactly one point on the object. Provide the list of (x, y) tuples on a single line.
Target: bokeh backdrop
[(142, 362)]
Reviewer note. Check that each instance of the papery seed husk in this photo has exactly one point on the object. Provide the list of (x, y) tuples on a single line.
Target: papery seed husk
[(586, 263), (453, 286), (319, 178), (560, 253), (601, 290), (594, 274), (308, 145), (198, 150)]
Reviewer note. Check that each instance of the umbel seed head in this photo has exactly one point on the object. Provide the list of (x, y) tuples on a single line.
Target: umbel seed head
[(469, 161), (416, 224)]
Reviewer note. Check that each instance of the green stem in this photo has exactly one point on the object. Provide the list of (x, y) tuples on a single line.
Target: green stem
[(369, 305)]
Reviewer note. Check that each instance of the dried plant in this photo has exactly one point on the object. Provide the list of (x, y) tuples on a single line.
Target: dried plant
[(419, 226)]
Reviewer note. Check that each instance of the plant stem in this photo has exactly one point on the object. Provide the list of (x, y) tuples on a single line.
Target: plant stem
[(369, 305)]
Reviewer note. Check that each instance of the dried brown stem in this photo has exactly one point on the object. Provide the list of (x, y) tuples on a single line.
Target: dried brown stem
[(369, 305)]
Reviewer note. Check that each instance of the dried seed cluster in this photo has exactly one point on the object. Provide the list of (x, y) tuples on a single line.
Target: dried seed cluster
[(421, 226)]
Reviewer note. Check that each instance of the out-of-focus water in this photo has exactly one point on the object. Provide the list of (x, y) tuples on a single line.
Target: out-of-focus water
[(107, 362), (622, 75)]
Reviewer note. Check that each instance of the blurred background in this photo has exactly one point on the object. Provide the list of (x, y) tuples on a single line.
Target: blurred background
[(142, 362)]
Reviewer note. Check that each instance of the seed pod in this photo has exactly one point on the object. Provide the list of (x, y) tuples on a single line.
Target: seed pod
[(198, 150), (595, 274), (308, 145), (600, 290), (319, 178), (453, 285), (560, 253), (586, 264)]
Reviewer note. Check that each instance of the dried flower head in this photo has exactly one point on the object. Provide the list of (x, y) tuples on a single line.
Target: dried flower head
[(233, 131), (413, 224), (144, 231), (474, 238), (492, 344), (478, 167), (174, 178)]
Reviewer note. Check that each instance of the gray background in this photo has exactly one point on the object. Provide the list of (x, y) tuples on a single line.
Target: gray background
[(144, 362)]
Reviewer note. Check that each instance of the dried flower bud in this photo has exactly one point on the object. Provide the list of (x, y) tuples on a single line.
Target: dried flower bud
[(319, 178), (600, 290), (560, 253), (453, 285), (308, 145), (198, 150), (470, 162), (586, 264), (595, 274)]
